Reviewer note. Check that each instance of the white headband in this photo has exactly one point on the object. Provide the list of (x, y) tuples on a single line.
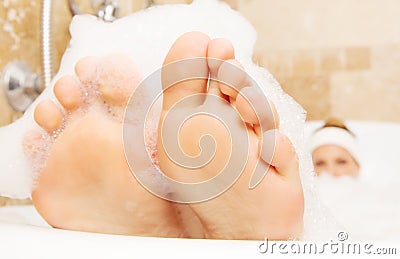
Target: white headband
[(335, 136)]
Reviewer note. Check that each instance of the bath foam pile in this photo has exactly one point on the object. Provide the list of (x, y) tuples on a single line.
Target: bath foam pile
[(368, 209), (146, 37)]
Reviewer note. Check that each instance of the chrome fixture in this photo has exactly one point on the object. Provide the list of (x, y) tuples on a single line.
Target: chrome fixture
[(107, 10), (47, 61), (21, 85)]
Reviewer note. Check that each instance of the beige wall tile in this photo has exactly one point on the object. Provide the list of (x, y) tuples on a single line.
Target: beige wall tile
[(313, 93), (360, 95), (358, 58), (279, 63), (19, 41), (305, 64), (232, 3), (344, 40), (385, 57), (332, 60), (288, 24)]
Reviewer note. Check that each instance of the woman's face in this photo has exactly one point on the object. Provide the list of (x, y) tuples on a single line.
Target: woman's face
[(335, 160)]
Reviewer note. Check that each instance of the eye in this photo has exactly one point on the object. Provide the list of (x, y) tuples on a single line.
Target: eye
[(320, 163), (341, 161)]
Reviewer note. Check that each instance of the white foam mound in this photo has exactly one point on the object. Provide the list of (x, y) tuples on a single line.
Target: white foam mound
[(146, 37), (367, 210)]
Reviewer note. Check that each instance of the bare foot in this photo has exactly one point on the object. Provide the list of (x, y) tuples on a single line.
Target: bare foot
[(86, 184), (273, 209)]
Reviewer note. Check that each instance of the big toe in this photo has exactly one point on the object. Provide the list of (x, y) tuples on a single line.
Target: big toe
[(218, 51), (115, 77), (185, 71)]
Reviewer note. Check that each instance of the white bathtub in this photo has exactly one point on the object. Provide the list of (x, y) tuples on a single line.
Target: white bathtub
[(24, 234)]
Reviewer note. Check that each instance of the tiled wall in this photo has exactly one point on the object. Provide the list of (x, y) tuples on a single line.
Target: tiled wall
[(355, 82), (335, 57)]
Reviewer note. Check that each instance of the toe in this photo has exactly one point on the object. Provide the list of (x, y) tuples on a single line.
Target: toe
[(231, 78), (48, 115), (278, 150), (218, 51), (256, 109), (86, 68), (190, 75), (114, 76), (116, 79), (68, 92)]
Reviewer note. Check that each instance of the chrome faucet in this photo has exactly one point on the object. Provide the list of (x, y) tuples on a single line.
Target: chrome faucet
[(21, 86), (109, 11)]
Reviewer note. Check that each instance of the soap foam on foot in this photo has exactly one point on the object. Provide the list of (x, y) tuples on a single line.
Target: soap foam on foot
[(146, 37)]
